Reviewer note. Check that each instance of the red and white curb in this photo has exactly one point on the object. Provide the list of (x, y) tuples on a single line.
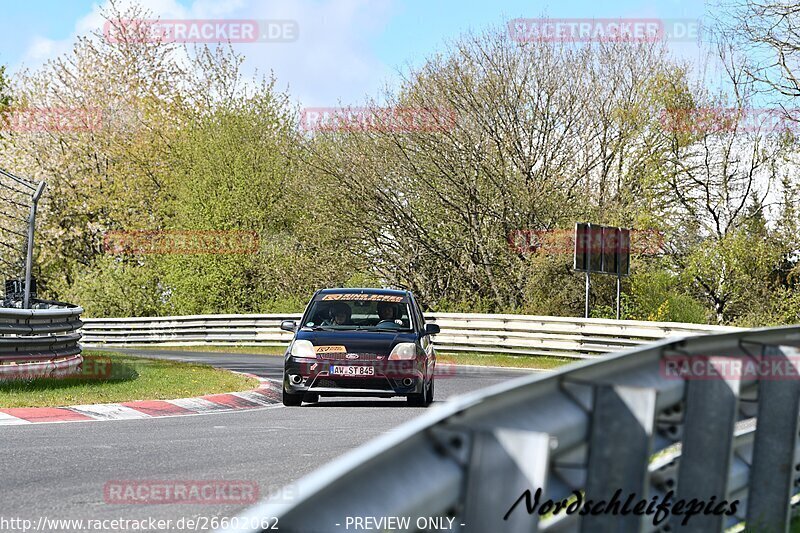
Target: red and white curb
[(267, 394)]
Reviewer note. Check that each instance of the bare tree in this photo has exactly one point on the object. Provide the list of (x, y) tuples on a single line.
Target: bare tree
[(767, 35), (721, 169), (529, 135)]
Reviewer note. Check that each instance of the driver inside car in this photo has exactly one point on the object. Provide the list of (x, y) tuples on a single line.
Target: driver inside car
[(387, 314)]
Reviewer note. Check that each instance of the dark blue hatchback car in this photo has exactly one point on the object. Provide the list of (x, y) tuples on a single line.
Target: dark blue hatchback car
[(360, 342)]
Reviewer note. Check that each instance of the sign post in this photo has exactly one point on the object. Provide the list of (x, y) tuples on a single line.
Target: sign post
[(582, 245), (602, 250)]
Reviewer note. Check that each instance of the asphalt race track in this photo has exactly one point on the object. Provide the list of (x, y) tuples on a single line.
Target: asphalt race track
[(59, 471)]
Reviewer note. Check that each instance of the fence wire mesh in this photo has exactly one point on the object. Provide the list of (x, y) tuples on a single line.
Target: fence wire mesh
[(15, 198)]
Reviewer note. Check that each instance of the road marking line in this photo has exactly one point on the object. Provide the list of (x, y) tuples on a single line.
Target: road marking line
[(109, 411), (266, 396), (254, 397), (47, 414), (157, 408), (231, 401), (198, 405), (8, 420)]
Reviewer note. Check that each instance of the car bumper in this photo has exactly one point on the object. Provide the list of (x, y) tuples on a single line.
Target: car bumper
[(390, 378)]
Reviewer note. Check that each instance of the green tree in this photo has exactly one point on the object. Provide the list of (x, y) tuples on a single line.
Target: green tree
[(235, 168)]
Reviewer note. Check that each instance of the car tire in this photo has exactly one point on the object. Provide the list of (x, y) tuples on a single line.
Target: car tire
[(419, 399), (292, 400), (429, 398)]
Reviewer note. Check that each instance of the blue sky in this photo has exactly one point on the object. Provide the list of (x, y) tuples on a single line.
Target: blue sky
[(345, 49)]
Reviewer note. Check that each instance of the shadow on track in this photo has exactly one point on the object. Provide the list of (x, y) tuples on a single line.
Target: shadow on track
[(371, 402)]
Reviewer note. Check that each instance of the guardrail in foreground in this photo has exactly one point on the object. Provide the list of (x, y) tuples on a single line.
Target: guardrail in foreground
[(515, 334), (40, 342), (618, 423)]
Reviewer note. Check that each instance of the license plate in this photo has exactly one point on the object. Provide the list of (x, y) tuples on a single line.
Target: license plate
[(352, 371)]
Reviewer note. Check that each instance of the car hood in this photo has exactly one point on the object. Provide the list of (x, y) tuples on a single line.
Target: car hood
[(377, 342)]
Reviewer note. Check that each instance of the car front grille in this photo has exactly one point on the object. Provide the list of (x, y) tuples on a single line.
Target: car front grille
[(354, 383)]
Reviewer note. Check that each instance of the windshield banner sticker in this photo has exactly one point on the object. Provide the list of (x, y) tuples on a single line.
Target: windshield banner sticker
[(363, 297)]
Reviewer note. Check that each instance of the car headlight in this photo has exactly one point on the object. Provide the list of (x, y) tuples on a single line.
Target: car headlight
[(404, 350), (303, 348)]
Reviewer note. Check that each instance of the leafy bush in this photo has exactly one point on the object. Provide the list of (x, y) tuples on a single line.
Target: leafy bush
[(656, 295)]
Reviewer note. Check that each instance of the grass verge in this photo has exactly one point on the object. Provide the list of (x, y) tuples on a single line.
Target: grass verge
[(130, 378), (262, 350), (541, 362)]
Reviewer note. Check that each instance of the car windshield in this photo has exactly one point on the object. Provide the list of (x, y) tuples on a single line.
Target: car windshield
[(368, 312)]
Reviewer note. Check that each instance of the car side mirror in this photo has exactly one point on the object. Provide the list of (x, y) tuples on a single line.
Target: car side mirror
[(289, 325), (431, 329)]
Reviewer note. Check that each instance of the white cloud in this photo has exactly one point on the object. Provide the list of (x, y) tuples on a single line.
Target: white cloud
[(332, 60), (43, 49)]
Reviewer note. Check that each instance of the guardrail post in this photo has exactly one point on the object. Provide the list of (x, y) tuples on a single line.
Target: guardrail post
[(505, 463), (620, 441), (711, 410), (772, 471)]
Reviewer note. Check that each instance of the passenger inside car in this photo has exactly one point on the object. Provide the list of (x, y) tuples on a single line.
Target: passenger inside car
[(339, 315)]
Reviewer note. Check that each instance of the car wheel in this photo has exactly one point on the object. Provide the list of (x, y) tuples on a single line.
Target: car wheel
[(419, 400), (429, 399), (291, 400), (311, 398)]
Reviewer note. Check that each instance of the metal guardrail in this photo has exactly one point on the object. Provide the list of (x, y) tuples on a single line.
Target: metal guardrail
[(43, 341), (515, 334), (589, 429)]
